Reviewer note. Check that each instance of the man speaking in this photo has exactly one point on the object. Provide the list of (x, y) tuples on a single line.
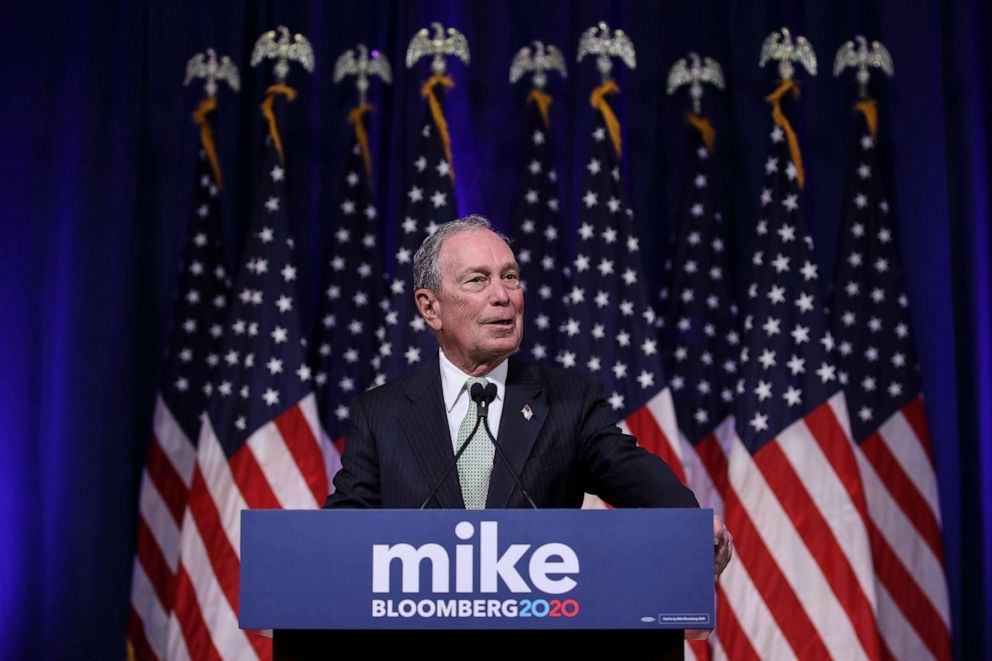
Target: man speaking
[(423, 440)]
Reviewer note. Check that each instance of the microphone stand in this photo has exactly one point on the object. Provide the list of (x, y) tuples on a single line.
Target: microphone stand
[(487, 395), (482, 396), (458, 455)]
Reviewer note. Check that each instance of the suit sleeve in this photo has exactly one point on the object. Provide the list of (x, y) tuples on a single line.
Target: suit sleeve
[(618, 470), (356, 485)]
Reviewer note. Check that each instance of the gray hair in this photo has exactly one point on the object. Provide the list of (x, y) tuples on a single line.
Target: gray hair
[(426, 269)]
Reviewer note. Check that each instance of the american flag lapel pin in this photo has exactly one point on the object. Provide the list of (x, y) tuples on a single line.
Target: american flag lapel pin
[(527, 413)]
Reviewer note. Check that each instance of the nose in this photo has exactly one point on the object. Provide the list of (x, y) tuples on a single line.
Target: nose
[(499, 294)]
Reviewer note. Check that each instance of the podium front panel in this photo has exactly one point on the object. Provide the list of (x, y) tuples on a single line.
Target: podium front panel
[(486, 569)]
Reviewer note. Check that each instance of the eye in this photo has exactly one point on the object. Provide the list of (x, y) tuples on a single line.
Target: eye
[(512, 279)]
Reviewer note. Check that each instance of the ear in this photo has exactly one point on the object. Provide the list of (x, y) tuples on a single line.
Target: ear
[(429, 307)]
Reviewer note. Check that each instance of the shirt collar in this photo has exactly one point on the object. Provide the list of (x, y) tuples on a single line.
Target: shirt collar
[(452, 380)]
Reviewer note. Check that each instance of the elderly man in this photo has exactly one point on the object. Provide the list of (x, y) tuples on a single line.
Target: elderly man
[(555, 430)]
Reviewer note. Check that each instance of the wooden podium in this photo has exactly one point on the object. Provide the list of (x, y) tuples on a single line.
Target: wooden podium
[(442, 584)]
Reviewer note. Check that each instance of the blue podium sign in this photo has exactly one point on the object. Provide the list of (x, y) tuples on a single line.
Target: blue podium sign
[(485, 569)]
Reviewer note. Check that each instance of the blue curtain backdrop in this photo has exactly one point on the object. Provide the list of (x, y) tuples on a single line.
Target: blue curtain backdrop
[(97, 157)]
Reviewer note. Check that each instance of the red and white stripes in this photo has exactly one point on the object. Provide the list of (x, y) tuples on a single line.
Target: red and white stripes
[(162, 502), (803, 583), (656, 429), (904, 527), (839, 548), (185, 595)]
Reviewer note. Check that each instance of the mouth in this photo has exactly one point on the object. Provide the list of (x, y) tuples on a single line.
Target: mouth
[(500, 322)]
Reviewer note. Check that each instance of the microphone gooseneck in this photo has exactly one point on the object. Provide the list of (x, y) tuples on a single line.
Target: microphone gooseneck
[(509, 466), (483, 396), (451, 466)]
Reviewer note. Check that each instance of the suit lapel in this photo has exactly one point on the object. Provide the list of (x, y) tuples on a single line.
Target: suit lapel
[(517, 433), (425, 425)]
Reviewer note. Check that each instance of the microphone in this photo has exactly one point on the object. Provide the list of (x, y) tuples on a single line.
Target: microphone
[(483, 396)]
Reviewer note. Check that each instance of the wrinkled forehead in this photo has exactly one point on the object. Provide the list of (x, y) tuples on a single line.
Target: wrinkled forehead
[(475, 250)]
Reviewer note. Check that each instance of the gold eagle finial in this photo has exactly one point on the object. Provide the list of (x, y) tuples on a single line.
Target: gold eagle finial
[(694, 71), (860, 58), (363, 66), (207, 66), (538, 61), (598, 41), (440, 45), (780, 47), (283, 51)]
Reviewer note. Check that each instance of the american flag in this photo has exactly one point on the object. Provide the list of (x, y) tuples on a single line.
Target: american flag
[(345, 353), (802, 584), (878, 369), (430, 201), (194, 347), (539, 242), (259, 445), (701, 340), (609, 324)]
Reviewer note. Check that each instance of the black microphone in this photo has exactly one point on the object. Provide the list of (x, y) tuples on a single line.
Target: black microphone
[(483, 396)]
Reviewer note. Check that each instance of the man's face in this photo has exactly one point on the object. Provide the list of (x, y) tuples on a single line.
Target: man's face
[(478, 314)]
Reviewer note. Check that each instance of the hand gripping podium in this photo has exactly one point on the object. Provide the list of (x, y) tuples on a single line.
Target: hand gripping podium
[(500, 584)]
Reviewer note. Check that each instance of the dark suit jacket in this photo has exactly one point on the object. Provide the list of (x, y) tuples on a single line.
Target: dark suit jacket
[(399, 447)]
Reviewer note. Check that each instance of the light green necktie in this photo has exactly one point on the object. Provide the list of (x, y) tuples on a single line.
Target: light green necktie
[(475, 466)]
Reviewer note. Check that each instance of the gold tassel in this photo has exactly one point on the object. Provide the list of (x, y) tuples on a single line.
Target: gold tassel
[(869, 109), (355, 118), (782, 122), (543, 100), (598, 101), (705, 129), (206, 107), (270, 95), (442, 126)]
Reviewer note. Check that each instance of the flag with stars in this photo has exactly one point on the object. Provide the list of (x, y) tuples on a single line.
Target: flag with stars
[(699, 324), (537, 237), (345, 353), (430, 200), (260, 443), (608, 326), (802, 582), (877, 366), (194, 347), (701, 344)]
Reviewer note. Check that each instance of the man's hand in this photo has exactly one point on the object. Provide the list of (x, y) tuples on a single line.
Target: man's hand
[(723, 546), (723, 550)]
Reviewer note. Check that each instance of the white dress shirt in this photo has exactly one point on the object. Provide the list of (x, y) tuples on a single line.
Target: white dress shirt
[(457, 399)]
